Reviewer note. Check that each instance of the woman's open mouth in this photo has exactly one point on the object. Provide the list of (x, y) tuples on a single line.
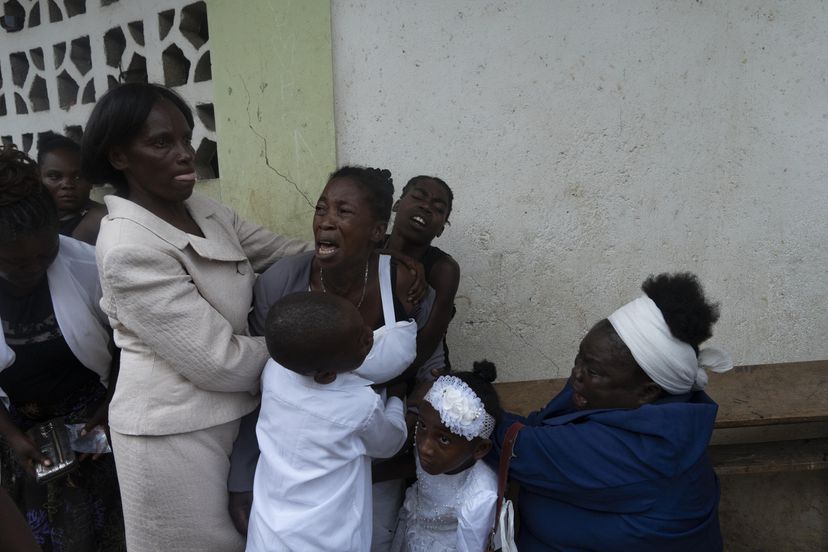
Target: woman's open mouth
[(577, 398), (326, 249)]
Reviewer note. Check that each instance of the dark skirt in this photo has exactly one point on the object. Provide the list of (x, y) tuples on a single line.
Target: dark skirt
[(80, 512)]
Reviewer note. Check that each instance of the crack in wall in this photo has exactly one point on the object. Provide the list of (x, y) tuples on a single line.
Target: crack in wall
[(515, 332), (265, 146)]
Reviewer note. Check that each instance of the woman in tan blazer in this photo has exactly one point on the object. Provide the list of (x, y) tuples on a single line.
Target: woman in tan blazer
[(177, 271)]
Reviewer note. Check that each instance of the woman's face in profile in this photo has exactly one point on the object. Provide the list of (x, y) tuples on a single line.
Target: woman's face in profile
[(344, 226), (159, 163), (602, 376)]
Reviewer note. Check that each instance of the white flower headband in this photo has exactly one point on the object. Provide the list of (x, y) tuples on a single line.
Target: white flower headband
[(460, 409)]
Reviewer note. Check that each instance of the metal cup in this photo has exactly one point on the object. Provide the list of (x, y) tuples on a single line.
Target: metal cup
[(52, 438)]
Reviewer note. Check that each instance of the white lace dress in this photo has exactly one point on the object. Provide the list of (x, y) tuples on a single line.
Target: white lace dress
[(443, 513)]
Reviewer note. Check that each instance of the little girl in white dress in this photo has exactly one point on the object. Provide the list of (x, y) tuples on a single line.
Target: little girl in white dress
[(452, 504)]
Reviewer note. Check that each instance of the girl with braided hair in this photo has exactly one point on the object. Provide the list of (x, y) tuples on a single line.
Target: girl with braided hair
[(56, 359)]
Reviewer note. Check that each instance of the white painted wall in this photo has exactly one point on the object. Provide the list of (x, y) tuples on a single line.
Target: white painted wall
[(590, 144)]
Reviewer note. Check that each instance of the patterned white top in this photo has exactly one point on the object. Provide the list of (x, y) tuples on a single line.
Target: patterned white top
[(443, 513)]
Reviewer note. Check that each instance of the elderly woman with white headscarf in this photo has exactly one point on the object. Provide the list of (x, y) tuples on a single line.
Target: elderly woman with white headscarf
[(617, 461)]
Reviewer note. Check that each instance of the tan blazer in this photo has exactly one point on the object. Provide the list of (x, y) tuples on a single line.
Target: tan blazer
[(178, 305)]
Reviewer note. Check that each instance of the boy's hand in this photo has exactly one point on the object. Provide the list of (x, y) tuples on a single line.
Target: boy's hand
[(397, 389), (239, 507)]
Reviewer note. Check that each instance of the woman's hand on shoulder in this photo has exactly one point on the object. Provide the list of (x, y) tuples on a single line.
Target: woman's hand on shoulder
[(411, 276)]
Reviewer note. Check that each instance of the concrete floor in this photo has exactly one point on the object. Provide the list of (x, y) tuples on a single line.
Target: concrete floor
[(775, 512)]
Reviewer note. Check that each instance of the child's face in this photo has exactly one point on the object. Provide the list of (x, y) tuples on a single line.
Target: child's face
[(440, 450), (60, 170), (423, 211)]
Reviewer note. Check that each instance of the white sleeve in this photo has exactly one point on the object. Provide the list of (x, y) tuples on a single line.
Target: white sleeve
[(475, 521), (384, 432)]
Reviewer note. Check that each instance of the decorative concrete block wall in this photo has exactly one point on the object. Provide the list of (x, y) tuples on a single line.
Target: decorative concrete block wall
[(69, 52)]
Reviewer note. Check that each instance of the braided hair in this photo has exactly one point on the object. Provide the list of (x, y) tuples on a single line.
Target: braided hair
[(26, 206), (377, 185)]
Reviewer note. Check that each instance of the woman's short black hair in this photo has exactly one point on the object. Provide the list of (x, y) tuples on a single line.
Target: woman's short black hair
[(480, 381), (52, 141), (26, 206), (376, 183), (439, 181), (681, 299), (115, 121)]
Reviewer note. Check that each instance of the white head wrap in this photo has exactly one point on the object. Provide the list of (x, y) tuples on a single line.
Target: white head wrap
[(671, 363), (460, 409)]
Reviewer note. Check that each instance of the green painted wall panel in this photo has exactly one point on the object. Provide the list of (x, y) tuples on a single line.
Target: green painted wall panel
[(272, 72)]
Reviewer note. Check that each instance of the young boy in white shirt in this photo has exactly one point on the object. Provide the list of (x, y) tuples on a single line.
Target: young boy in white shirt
[(318, 429)]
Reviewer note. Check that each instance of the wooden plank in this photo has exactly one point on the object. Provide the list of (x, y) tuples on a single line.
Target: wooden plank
[(785, 456), (769, 394), (766, 394), (768, 433), (523, 397)]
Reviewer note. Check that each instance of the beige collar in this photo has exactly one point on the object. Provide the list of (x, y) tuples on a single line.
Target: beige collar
[(214, 245)]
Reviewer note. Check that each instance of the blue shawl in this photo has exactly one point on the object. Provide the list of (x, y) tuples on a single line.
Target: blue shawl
[(616, 479)]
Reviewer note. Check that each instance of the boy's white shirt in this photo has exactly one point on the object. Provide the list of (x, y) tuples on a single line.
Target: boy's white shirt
[(312, 489)]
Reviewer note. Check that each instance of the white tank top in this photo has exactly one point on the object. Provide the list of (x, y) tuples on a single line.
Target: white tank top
[(395, 343)]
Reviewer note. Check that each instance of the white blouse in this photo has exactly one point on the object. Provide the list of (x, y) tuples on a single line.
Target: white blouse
[(443, 513)]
